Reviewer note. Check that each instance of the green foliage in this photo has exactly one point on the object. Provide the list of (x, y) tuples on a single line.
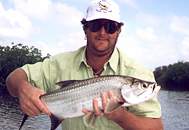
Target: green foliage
[(173, 77), (16, 56)]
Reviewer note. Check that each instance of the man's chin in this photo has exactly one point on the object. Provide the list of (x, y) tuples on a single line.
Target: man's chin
[(102, 52)]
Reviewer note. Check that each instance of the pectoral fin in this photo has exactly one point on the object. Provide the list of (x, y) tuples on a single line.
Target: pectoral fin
[(113, 105), (89, 120)]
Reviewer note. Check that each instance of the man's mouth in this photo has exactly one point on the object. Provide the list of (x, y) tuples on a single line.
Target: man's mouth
[(102, 39)]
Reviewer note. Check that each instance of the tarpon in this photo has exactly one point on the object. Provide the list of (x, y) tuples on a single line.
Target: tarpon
[(73, 95)]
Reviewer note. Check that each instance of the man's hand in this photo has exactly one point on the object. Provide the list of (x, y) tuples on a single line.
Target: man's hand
[(29, 100), (110, 105)]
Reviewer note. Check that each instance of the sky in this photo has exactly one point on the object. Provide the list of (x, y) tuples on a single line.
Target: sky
[(155, 32)]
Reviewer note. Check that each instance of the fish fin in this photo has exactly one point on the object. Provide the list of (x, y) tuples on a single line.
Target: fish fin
[(113, 105), (90, 119), (55, 122), (23, 121), (65, 83)]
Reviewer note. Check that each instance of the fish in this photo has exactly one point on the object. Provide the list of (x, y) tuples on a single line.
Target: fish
[(74, 95)]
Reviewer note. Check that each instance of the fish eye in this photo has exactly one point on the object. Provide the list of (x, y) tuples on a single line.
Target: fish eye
[(144, 86)]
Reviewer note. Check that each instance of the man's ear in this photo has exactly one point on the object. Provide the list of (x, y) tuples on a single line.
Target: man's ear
[(119, 30), (85, 30)]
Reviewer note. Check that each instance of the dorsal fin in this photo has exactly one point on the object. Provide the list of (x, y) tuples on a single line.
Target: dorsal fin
[(55, 122), (65, 83)]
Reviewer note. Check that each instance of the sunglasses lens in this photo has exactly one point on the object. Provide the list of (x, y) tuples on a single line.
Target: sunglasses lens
[(95, 26), (110, 27)]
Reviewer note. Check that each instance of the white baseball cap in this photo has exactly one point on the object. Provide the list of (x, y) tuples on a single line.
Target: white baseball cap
[(103, 9)]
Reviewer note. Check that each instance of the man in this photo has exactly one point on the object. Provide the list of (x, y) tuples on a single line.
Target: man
[(102, 27)]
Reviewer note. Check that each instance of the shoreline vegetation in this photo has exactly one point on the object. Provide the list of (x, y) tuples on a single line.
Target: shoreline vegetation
[(174, 77)]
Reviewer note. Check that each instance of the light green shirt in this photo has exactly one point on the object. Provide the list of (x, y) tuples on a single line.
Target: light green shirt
[(73, 66)]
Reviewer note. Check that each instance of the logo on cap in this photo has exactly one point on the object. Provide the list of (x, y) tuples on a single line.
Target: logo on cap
[(103, 6)]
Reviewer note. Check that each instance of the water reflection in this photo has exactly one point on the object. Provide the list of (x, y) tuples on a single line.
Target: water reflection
[(175, 113)]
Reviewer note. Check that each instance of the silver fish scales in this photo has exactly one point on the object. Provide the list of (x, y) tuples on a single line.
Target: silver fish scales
[(74, 95)]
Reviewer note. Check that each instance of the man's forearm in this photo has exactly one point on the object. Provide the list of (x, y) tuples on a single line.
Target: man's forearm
[(129, 121), (15, 80)]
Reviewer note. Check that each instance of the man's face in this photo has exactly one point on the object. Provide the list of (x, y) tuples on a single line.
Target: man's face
[(102, 36)]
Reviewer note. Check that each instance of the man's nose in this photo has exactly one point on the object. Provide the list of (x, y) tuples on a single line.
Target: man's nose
[(102, 30)]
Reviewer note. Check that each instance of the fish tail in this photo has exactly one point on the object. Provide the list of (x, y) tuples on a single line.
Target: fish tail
[(23, 121)]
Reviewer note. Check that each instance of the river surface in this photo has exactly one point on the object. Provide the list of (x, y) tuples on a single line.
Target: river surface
[(175, 113)]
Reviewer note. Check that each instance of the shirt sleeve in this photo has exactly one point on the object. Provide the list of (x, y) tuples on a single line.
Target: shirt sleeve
[(38, 74), (150, 108)]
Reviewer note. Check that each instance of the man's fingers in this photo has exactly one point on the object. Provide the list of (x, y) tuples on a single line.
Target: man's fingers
[(30, 109), (96, 109), (39, 103), (95, 105), (104, 97), (111, 95), (107, 99), (44, 108), (86, 111), (31, 113), (31, 104), (113, 98)]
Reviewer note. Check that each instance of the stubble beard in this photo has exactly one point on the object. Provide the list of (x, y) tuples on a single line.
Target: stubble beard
[(107, 51)]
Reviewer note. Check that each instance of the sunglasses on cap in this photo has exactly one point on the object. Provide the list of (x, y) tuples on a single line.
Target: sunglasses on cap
[(109, 26)]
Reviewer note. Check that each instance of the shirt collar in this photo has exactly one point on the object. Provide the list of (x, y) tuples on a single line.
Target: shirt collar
[(82, 59), (114, 59)]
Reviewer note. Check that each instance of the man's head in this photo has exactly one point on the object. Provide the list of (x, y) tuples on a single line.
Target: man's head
[(102, 25)]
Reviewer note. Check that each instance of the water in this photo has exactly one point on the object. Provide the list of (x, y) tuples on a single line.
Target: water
[(11, 116), (175, 110), (175, 106)]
